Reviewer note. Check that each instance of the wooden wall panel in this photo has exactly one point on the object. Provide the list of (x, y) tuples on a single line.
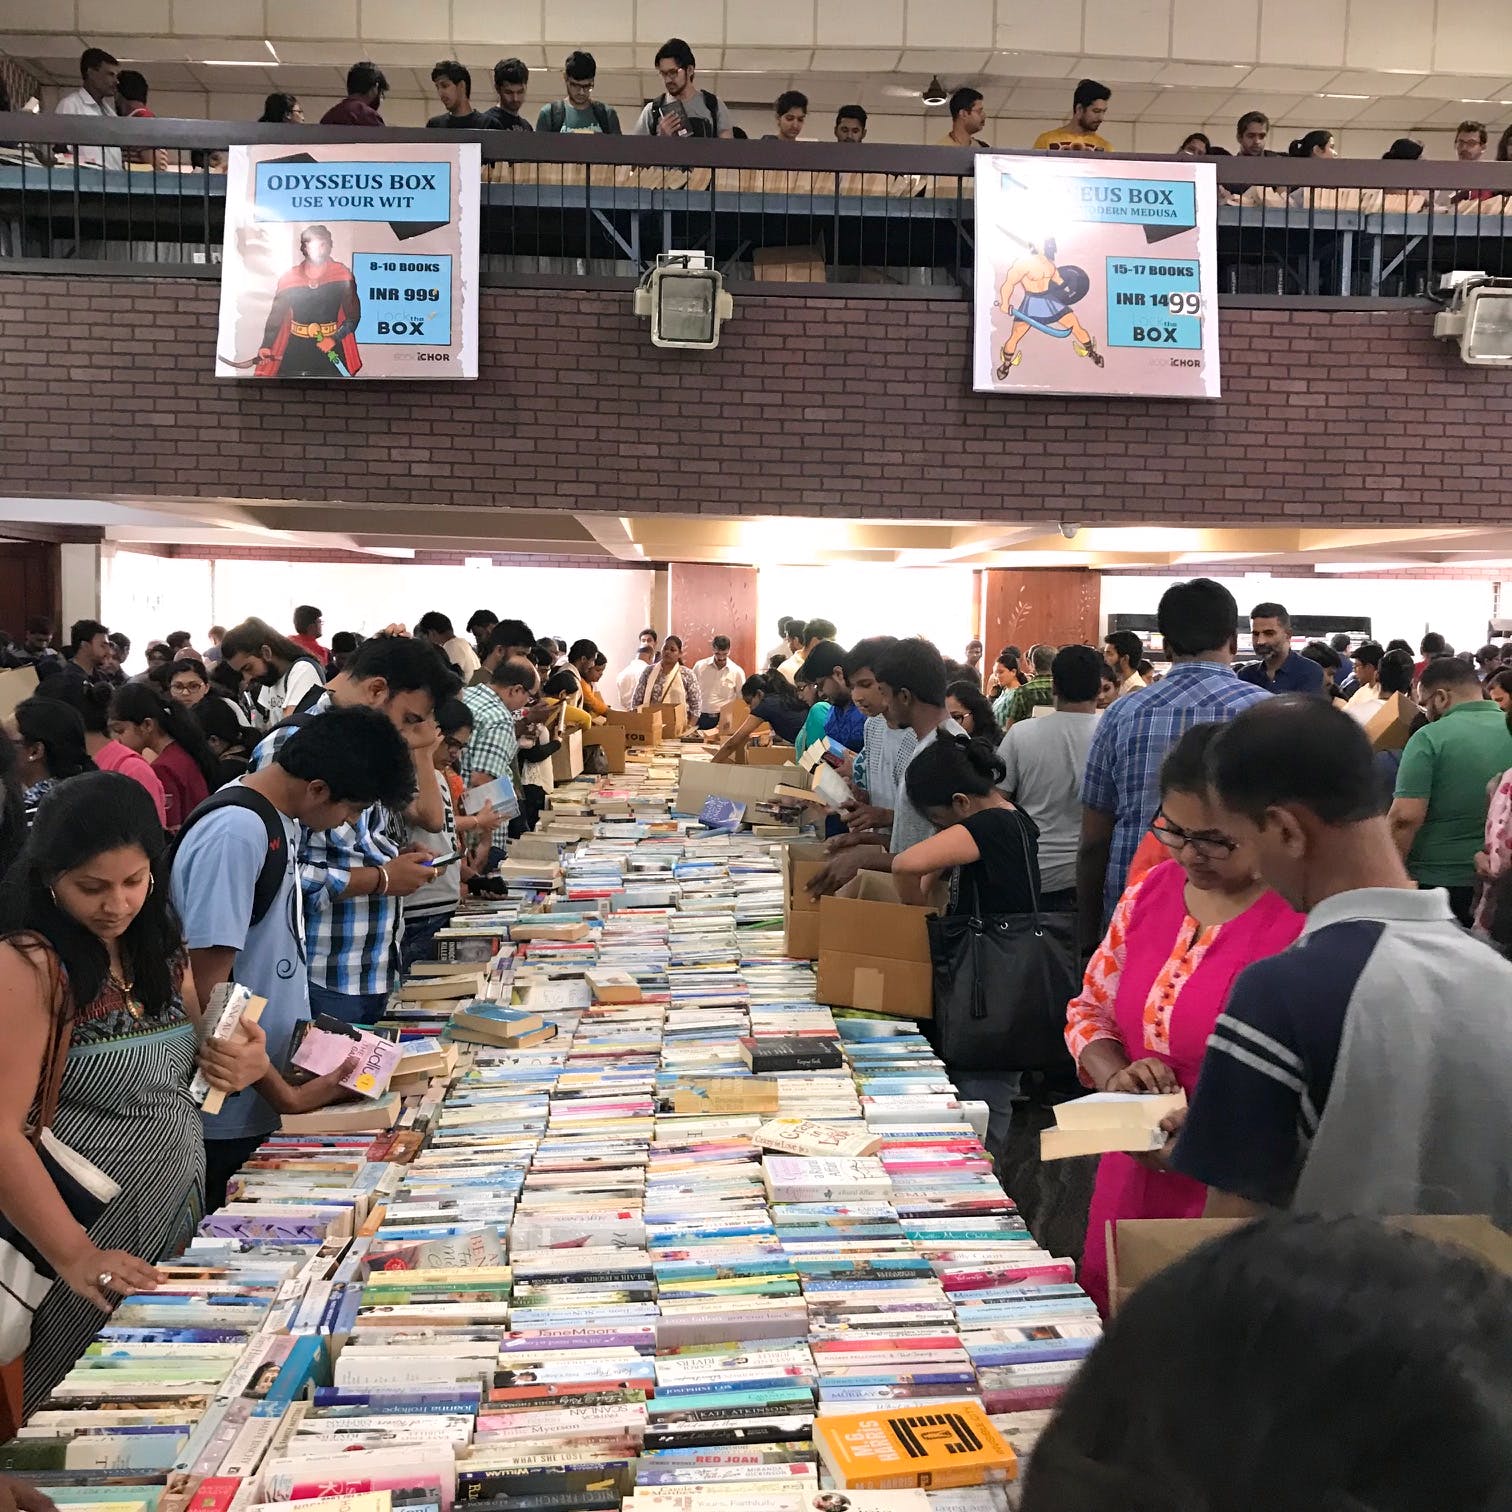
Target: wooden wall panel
[(1028, 604), (29, 584), (709, 600)]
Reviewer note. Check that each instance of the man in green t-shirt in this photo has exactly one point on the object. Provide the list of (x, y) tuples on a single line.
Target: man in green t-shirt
[(1438, 817), (579, 111)]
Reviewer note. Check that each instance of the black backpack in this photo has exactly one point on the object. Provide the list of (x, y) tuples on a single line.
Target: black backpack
[(695, 128), (275, 863), (556, 119)]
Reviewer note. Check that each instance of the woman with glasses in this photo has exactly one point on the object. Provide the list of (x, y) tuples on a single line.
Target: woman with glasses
[(188, 683), (1156, 985)]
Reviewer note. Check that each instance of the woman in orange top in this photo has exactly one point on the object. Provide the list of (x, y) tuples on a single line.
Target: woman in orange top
[(1155, 987)]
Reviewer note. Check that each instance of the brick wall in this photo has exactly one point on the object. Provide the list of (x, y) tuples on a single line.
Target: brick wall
[(825, 406)]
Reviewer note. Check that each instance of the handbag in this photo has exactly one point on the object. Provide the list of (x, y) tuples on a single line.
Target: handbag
[(25, 1277), (1001, 984)]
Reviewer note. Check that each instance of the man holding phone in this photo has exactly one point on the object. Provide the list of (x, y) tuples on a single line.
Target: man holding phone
[(685, 110)]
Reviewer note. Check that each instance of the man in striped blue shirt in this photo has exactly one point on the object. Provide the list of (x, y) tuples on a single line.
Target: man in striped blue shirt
[(353, 877), (1199, 622)]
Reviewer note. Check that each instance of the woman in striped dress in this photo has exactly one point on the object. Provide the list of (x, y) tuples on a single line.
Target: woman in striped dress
[(88, 939)]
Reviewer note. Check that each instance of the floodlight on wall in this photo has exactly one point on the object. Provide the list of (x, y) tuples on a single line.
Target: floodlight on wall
[(685, 300), (934, 93), (1479, 317)]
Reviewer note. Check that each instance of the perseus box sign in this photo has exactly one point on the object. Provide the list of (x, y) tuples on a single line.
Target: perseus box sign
[(1095, 277), (349, 261)]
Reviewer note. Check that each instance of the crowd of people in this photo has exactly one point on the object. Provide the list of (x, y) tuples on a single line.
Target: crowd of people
[(684, 109), (1271, 921)]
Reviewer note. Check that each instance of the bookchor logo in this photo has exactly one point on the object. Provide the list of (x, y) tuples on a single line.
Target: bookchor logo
[(349, 262), (1094, 281)]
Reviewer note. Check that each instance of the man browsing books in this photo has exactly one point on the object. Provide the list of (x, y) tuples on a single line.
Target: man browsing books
[(239, 928)]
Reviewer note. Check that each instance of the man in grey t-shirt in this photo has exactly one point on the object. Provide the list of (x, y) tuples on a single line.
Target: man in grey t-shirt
[(1045, 760), (685, 109)]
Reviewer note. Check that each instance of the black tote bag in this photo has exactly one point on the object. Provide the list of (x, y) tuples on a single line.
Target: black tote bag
[(1002, 983)]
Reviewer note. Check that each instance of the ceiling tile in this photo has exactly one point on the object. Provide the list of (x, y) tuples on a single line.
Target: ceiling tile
[(1471, 36), (1321, 111), (844, 23), (1030, 65), (1286, 79), (1389, 34), (772, 23), (855, 60), (1127, 104), (1203, 31), (960, 24), (397, 21), (962, 65), (1027, 28), (656, 20), (1450, 113), (1039, 99), (146, 49), (1202, 75), (480, 21), (783, 60), (1279, 107), (1395, 111), (590, 24), (123, 16), (1373, 81), (1117, 70), (336, 19), (1460, 87), (1303, 31), (47, 16), (333, 53), (1187, 105), (238, 49), (221, 18), (238, 80), (1141, 28)]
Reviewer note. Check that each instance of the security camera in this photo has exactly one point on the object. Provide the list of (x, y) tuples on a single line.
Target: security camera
[(1068, 530)]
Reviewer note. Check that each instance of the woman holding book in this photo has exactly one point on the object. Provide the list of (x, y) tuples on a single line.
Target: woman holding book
[(93, 990), (1156, 985)]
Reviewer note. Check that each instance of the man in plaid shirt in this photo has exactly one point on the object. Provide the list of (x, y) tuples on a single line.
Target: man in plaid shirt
[(353, 876), (1199, 621), (494, 750), (1036, 692)]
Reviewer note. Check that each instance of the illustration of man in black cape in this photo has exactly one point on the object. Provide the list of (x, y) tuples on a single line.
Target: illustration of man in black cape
[(312, 325)]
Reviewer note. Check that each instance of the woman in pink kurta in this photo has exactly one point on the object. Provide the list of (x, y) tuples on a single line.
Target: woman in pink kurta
[(1157, 983)]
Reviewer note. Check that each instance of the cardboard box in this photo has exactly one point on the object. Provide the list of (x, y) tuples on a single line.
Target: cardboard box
[(699, 779), (16, 686), (610, 738), (674, 718), (642, 728), (568, 762), (800, 913), (789, 264), (1390, 727), (874, 950), (1139, 1248), (766, 755)]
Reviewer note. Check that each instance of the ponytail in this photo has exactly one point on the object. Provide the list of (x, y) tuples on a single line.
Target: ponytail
[(136, 702), (953, 764), (1305, 146)]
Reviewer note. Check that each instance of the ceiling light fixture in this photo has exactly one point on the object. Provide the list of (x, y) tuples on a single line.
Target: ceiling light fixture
[(272, 50), (934, 92), (232, 63), (1344, 97)]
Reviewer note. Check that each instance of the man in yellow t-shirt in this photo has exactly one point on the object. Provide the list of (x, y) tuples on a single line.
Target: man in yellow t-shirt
[(1083, 132), (968, 114)]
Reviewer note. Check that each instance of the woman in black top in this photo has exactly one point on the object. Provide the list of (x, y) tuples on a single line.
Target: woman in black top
[(773, 701), (991, 846)]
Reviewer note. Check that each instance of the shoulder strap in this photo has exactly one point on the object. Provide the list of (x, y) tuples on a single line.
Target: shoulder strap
[(557, 118), (60, 1037), (601, 115), (654, 119), (270, 878)]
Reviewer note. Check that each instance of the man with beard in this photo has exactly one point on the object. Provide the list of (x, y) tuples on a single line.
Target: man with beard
[(312, 325)]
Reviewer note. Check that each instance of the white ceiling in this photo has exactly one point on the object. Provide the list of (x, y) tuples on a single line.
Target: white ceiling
[(1381, 65)]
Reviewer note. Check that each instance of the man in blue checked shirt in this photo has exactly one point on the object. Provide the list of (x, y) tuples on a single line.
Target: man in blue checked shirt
[(354, 876), (1199, 622)]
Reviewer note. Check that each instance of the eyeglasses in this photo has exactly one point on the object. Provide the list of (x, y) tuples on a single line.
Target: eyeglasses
[(1210, 846), (455, 746), (185, 687)]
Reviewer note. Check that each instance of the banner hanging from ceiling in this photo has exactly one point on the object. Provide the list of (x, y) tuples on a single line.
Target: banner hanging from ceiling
[(1095, 277), (350, 262)]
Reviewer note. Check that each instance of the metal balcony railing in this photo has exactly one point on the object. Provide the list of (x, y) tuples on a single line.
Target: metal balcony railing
[(810, 217)]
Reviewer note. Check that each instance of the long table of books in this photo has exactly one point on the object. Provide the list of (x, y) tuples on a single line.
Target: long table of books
[(635, 1223)]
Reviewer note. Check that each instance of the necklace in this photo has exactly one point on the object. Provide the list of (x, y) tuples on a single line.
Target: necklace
[(134, 1005)]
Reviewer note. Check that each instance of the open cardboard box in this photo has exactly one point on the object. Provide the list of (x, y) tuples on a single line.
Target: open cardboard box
[(16, 686), (766, 756), (1139, 1248), (642, 728), (800, 913), (699, 779), (874, 949), (567, 763), (1390, 727), (610, 738), (674, 718)]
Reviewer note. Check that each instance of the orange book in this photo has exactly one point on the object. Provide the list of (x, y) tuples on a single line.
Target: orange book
[(943, 1444)]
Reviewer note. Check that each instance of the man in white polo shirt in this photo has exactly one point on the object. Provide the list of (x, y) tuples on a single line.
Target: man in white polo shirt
[(719, 681), (95, 97)]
